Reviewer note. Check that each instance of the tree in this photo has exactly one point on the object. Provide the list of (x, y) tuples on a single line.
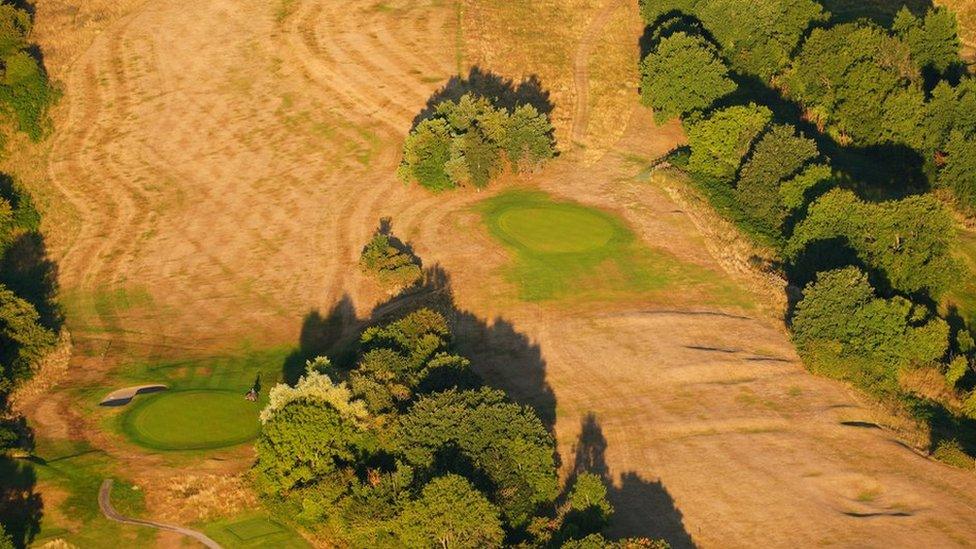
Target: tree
[(840, 320), (683, 74), (778, 156), (719, 143), (597, 541), (391, 265), (465, 142), (908, 241), (933, 42), (22, 339), (457, 431), (959, 172), (589, 511), (758, 37), (450, 513)]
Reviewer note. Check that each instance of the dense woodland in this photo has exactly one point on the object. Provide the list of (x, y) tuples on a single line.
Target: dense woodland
[(29, 318), (844, 147)]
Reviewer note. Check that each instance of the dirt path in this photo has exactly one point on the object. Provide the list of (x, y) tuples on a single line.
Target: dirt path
[(581, 69), (226, 165), (105, 504)]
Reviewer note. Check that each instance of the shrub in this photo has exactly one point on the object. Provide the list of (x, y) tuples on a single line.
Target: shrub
[(682, 75), (392, 266), (25, 93), (956, 371), (950, 452)]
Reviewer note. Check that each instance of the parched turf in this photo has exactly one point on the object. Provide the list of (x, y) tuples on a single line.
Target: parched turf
[(566, 250), (192, 420)]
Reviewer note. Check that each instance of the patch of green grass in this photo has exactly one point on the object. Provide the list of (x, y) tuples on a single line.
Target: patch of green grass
[(963, 296), (192, 420), (566, 250), (254, 530), (76, 470)]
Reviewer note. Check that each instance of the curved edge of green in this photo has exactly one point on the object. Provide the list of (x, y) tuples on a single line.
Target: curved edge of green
[(128, 419)]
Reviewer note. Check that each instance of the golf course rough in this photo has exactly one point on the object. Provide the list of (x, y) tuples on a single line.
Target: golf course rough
[(195, 419), (567, 250)]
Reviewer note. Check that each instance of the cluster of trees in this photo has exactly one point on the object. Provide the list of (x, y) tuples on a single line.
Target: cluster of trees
[(872, 272), (863, 85), (25, 92), (469, 142), (409, 448), (392, 265)]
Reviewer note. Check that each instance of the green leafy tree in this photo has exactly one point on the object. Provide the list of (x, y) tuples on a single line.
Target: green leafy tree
[(25, 92), (588, 511), (392, 266), (426, 151), (23, 340), (934, 41), (683, 74), (528, 138), (844, 330), (959, 172), (758, 37), (597, 541), (719, 143), (909, 240), (778, 156), (450, 513), (455, 430)]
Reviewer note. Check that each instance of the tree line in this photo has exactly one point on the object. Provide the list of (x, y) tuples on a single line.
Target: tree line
[(776, 101), (409, 448), (29, 319)]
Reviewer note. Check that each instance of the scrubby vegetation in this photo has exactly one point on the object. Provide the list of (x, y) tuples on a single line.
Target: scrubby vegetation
[(25, 92), (409, 448), (470, 141), (824, 150)]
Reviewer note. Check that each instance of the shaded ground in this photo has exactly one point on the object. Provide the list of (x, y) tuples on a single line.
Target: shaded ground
[(218, 166)]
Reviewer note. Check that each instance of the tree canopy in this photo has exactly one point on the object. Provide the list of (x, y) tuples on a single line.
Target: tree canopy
[(682, 75)]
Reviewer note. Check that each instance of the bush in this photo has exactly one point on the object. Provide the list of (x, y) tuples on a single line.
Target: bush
[(465, 143), (25, 93), (393, 267), (950, 452), (956, 371)]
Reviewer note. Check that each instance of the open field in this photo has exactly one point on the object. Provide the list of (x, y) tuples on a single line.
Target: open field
[(217, 167)]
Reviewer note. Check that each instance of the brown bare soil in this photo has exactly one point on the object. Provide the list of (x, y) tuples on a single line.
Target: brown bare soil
[(229, 158)]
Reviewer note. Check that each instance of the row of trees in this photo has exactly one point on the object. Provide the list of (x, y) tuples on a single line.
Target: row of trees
[(409, 448), (872, 273), (470, 141), (28, 321)]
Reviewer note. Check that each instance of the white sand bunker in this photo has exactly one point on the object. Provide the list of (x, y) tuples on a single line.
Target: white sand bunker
[(121, 397)]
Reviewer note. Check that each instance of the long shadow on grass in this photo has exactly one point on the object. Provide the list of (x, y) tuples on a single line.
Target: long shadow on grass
[(20, 506), (503, 357), (642, 508)]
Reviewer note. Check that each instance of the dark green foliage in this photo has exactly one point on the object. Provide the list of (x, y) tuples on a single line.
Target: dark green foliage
[(393, 267), (486, 436), (933, 41), (843, 329), (305, 441), (467, 142), (22, 339), (720, 142), (959, 171), (597, 541), (588, 510), (683, 74), (907, 240), (25, 93), (450, 513), (779, 156), (856, 80)]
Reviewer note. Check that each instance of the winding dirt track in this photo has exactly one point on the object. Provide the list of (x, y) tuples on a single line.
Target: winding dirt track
[(230, 164)]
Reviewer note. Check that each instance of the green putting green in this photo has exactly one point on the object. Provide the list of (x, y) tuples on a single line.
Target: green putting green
[(192, 420), (565, 250), (556, 228)]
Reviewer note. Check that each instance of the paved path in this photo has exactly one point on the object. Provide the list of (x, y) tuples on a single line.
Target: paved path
[(105, 504)]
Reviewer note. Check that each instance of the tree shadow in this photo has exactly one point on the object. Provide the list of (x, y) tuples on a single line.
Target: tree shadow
[(504, 358), (880, 12), (327, 335), (26, 270), (21, 507), (501, 91), (642, 508)]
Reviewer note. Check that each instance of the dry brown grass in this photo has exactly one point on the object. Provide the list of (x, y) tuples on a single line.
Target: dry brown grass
[(230, 165), (190, 498)]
